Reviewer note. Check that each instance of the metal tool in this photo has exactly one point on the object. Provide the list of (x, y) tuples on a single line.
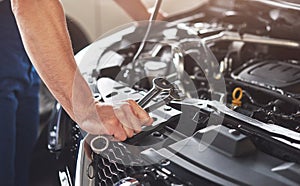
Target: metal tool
[(101, 143), (159, 85), (151, 21), (174, 94)]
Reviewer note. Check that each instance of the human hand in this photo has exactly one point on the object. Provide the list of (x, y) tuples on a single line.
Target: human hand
[(121, 121)]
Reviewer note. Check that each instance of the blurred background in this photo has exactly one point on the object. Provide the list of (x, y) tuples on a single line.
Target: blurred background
[(95, 17)]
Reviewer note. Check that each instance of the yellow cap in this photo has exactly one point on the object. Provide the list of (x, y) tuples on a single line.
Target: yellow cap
[(236, 101)]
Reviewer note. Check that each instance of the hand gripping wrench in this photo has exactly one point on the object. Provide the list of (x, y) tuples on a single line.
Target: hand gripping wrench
[(101, 143)]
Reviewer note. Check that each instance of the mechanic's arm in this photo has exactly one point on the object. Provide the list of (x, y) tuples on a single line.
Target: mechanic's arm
[(136, 10), (44, 33)]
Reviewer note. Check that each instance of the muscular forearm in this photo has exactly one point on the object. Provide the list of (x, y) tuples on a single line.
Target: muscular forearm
[(46, 40)]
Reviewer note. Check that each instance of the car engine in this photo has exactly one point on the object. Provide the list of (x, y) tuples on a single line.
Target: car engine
[(236, 121)]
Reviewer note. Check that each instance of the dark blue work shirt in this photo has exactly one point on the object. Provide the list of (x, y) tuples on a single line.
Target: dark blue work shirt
[(14, 62)]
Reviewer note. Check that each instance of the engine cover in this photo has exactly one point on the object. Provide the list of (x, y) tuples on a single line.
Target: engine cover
[(272, 74)]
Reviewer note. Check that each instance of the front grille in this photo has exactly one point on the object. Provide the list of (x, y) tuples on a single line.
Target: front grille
[(118, 164), (115, 163)]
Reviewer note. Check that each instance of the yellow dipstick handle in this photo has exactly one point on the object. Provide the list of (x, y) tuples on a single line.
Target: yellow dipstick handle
[(236, 101)]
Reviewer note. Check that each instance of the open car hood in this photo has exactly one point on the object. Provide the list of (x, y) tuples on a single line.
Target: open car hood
[(237, 64)]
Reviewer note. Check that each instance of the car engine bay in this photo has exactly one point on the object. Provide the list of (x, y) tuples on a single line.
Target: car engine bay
[(236, 66)]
